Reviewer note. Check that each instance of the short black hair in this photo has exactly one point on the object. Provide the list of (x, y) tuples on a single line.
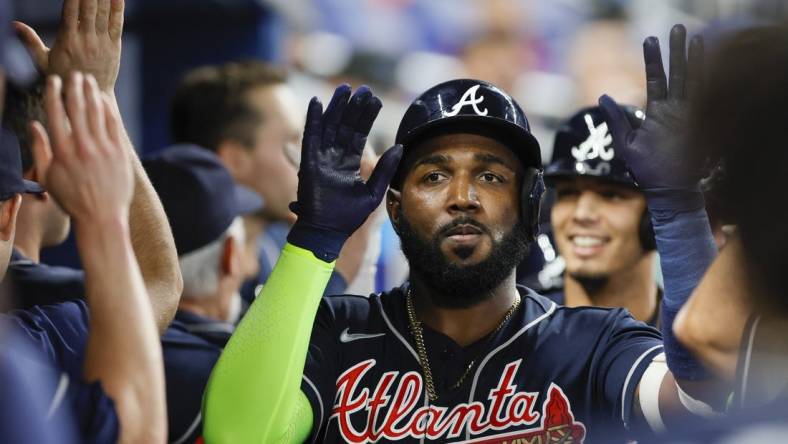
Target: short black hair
[(741, 118), (23, 104), (210, 104)]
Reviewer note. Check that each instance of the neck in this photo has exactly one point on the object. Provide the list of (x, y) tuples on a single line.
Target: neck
[(634, 290), (29, 243), (465, 325), (208, 307)]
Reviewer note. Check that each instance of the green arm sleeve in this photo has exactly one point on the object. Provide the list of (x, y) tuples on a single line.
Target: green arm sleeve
[(254, 393)]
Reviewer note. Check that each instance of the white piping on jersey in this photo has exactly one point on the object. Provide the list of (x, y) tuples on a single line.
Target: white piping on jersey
[(407, 345), (394, 330), (60, 394), (626, 382), (650, 384), (319, 402), (747, 359), (190, 430), (501, 347)]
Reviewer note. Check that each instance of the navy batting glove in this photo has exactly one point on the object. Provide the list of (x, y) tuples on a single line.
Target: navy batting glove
[(656, 153), (333, 199)]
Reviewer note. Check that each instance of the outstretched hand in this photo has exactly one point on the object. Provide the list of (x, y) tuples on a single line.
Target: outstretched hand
[(333, 199), (88, 40), (656, 153), (86, 167)]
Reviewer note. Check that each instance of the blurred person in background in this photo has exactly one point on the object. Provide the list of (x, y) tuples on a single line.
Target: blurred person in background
[(247, 114), (599, 221), (603, 59), (205, 207)]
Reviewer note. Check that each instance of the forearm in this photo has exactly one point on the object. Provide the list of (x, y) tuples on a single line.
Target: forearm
[(123, 350), (258, 376), (686, 248), (153, 244), (712, 321)]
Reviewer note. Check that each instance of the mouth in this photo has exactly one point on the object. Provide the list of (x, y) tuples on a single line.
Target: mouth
[(587, 245), (464, 235)]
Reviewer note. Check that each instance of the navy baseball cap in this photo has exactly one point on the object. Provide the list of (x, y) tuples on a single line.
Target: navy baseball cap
[(199, 195), (11, 181), (16, 61)]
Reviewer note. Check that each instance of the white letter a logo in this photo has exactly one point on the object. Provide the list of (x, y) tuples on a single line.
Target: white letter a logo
[(469, 98)]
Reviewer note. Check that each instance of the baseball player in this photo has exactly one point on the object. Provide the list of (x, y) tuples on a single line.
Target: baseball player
[(459, 353), (599, 221)]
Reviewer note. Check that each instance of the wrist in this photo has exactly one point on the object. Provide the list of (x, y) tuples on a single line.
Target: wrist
[(674, 200), (324, 243)]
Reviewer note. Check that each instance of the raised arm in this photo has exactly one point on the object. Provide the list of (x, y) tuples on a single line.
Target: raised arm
[(258, 376), (89, 40), (91, 177), (668, 172)]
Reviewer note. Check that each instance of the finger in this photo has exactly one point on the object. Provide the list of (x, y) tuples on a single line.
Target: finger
[(678, 62), (56, 117), (356, 106), (369, 115), (383, 173), (38, 50), (41, 150), (617, 122), (69, 17), (115, 26), (334, 111), (94, 108), (76, 110), (87, 15), (656, 84), (313, 130), (364, 125), (102, 16), (694, 66)]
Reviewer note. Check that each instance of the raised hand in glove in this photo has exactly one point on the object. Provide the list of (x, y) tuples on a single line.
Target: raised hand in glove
[(333, 199), (656, 153)]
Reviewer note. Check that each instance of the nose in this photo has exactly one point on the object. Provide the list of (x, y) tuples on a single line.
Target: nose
[(587, 208), (463, 196)]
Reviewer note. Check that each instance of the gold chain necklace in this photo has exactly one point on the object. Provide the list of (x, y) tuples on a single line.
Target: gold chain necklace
[(418, 335)]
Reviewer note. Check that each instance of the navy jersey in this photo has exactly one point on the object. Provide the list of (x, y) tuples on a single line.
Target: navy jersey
[(191, 347), (557, 296), (40, 284), (550, 373), (57, 336)]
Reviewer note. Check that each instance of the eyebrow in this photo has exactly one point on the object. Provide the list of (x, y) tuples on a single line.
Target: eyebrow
[(491, 158), (435, 159)]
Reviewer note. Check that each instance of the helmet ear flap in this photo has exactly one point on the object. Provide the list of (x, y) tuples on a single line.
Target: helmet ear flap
[(531, 200), (646, 233)]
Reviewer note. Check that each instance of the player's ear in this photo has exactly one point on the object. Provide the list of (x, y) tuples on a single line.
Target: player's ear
[(231, 257), (234, 157), (393, 206), (9, 209)]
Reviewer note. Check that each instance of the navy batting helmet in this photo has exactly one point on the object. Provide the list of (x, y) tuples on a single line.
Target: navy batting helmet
[(584, 147), (475, 106)]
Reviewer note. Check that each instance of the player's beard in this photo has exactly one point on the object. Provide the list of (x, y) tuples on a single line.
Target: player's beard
[(457, 286)]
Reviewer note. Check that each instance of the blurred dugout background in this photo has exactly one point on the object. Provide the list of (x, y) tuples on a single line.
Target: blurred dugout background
[(553, 56)]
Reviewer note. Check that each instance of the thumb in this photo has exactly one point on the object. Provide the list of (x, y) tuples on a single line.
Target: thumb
[(34, 44), (617, 122), (384, 172), (42, 151)]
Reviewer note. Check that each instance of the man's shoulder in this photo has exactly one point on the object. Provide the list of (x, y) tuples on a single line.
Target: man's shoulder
[(582, 319)]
